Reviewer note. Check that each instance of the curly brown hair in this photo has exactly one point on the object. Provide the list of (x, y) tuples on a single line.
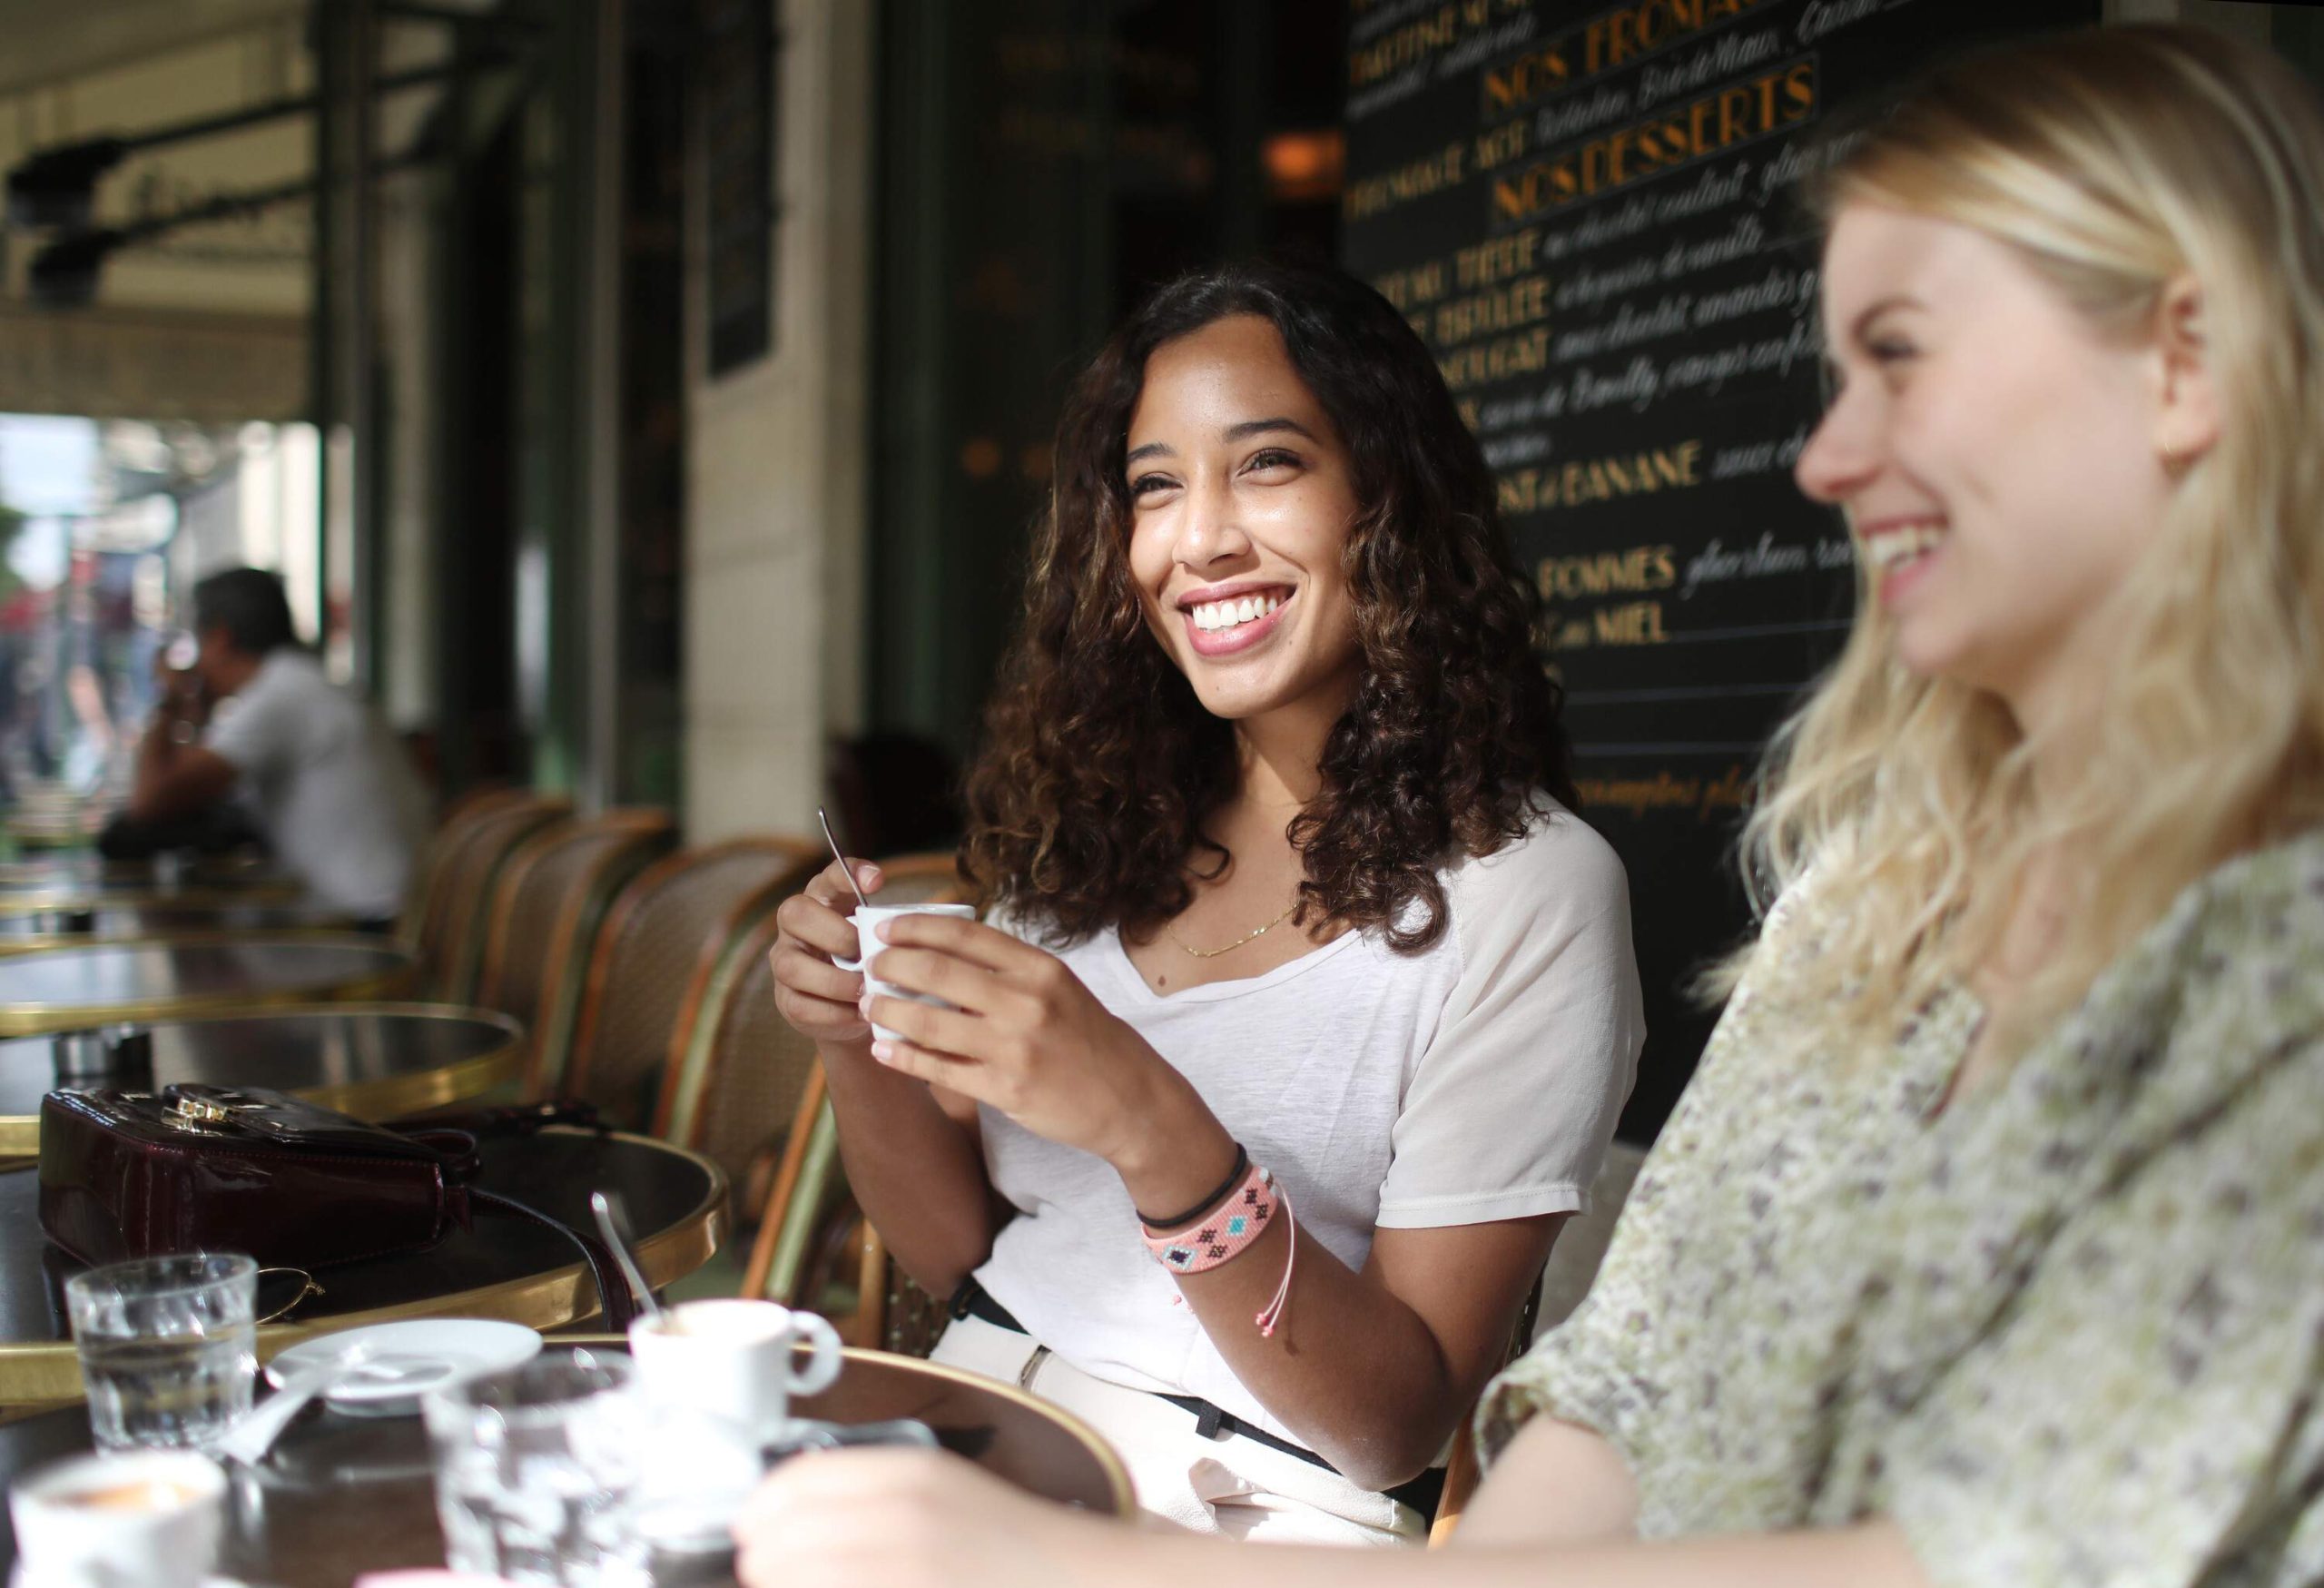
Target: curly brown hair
[(1100, 768)]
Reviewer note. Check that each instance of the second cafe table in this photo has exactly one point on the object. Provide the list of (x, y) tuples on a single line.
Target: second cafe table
[(115, 920), (92, 984), (374, 1060), (340, 1496), (498, 1267)]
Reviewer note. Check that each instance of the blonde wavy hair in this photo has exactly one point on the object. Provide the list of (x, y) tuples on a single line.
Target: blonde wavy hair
[(2115, 164)]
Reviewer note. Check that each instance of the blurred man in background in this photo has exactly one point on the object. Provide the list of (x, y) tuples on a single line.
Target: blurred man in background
[(331, 789)]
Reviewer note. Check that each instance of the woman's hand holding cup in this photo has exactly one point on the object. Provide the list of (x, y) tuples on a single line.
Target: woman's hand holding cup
[(1018, 1031), (813, 993)]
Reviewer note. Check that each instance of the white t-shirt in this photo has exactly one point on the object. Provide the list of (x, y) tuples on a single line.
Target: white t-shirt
[(337, 799), (1480, 1080)]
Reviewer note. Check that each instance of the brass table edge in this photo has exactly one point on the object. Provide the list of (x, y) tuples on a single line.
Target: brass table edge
[(30, 901), (34, 1020), (436, 1008), (343, 927), (298, 936), (381, 1098), (48, 1371)]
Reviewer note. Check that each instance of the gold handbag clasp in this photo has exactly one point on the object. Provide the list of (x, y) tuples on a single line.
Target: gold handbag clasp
[(194, 1110)]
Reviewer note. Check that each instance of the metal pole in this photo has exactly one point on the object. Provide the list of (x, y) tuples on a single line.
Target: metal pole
[(326, 20), (598, 776), (368, 576)]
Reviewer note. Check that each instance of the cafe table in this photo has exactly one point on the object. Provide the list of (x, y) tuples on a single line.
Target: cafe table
[(64, 898), (339, 1496), (189, 974), (114, 919), (374, 1060), (498, 1267), (86, 872)]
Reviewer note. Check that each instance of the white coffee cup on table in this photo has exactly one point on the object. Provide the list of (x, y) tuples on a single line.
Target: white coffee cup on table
[(734, 1358), (141, 1519), (868, 919)]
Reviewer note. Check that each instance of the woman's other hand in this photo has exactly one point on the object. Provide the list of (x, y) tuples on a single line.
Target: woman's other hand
[(1027, 1038), (812, 929), (906, 1519)]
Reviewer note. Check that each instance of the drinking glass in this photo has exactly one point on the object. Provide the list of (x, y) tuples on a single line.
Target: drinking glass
[(168, 1347), (534, 1469)]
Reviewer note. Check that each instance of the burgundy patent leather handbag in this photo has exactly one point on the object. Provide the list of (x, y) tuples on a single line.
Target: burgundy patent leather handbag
[(132, 1174)]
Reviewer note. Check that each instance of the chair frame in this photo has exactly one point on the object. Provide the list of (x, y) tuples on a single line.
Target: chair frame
[(437, 852), (811, 1156), (571, 1062), (465, 937), (572, 936), (692, 1073), (641, 826)]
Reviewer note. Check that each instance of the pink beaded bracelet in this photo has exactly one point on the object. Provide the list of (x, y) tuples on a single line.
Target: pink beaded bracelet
[(1227, 1232)]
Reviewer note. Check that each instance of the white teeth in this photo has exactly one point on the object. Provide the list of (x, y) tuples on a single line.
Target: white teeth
[(1214, 616), (1891, 548)]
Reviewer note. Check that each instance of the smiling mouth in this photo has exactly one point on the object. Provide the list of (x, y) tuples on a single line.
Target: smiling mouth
[(1217, 630), (1223, 617), (1891, 549)]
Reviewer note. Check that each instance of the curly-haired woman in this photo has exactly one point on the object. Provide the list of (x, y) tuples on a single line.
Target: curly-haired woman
[(1292, 919), (1987, 1245)]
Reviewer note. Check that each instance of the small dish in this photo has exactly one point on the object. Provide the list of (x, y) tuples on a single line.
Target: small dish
[(408, 1359)]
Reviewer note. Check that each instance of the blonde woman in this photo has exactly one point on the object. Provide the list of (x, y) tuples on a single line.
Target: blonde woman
[(1988, 1245)]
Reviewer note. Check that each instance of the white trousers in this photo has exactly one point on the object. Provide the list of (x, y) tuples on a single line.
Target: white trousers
[(1229, 1484)]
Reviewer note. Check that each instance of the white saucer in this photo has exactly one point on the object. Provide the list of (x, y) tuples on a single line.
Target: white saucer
[(408, 1359)]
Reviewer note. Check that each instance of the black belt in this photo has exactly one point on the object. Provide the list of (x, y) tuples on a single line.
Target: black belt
[(1211, 1421)]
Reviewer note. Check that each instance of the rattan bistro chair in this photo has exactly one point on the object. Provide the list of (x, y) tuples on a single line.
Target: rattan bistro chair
[(664, 940), (451, 939), (434, 865), (733, 1092), (553, 896), (811, 1241)]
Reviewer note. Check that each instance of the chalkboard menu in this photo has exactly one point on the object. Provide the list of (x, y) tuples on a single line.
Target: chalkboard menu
[(1587, 210)]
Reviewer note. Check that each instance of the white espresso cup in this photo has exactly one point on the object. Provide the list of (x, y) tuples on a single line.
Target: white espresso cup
[(733, 1359), (868, 919), (139, 1519)]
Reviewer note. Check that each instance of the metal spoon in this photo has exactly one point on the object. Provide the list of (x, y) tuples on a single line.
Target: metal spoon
[(836, 855), (613, 1223), (254, 1435)]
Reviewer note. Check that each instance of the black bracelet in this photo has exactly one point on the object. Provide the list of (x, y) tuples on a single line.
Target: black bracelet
[(1234, 1178)]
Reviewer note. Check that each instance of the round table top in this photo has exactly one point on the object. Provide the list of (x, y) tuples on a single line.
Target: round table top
[(379, 1509), (116, 919), (84, 984), (501, 1267), (84, 873), (95, 895), (374, 1060)]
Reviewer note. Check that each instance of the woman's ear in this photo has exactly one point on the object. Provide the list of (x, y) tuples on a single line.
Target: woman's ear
[(2187, 412)]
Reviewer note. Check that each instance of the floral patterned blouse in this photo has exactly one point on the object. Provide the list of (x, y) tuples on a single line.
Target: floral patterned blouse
[(2069, 1329)]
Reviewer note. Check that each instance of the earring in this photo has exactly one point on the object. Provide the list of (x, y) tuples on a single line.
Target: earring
[(2173, 463)]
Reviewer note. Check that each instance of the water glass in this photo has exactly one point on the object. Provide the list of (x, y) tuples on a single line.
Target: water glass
[(169, 1349), (533, 1471)]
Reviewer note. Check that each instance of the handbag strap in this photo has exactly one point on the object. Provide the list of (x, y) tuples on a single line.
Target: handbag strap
[(614, 1302)]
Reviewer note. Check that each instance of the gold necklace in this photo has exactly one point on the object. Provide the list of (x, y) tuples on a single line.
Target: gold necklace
[(1238, 942)]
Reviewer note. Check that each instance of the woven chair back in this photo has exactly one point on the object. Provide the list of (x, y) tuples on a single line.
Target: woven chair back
[(463, 901), (664, 941), (434, 862), (552, 898), (734, 1096), (465, 906)]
